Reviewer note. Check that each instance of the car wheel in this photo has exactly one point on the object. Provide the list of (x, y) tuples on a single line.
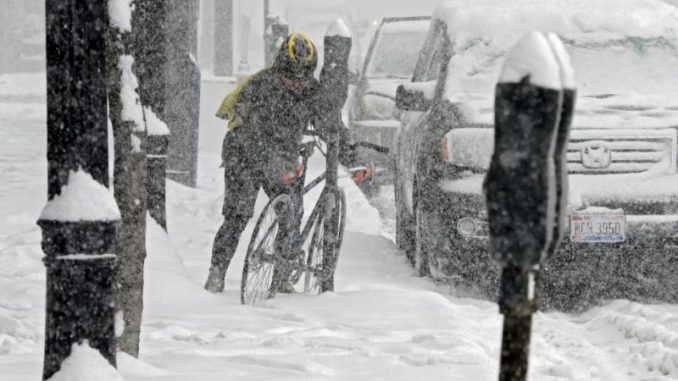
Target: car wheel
[(405, 227), (422, 251)]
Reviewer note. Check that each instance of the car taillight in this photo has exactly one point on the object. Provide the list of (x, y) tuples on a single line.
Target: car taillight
[(444, 153)]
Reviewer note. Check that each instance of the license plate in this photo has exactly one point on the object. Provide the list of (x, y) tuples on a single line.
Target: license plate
[(598, 227)]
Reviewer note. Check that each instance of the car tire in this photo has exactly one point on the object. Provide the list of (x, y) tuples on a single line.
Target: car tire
[(405, 227)]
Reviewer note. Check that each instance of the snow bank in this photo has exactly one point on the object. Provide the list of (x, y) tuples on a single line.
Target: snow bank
[(82, 199), (154, 125), (86, 364), (28, 87), (532, 57), (166, 281), (131, 106), (120, 14)]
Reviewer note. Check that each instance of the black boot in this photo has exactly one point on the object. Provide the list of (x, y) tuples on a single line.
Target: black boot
[(216, 279)]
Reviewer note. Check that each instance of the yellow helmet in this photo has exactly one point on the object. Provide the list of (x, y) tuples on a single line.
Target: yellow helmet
[(297, 56)]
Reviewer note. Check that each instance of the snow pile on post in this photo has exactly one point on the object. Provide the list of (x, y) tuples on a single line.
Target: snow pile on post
[(338, 28), (82, 199), (532, 57), (120, 13), (86, 364), (154, 125), (131, 106)]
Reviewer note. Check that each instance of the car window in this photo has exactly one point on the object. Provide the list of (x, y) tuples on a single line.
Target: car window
[(393, 56), (430, 59), (437, 59)]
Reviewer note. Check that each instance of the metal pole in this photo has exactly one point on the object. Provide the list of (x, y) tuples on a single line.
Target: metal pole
[(517, 302), (182, 91), (80, 250), (334, 92)]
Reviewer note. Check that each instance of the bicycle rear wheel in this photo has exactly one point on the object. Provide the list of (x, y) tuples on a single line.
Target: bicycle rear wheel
[(264, 252), (323, 249)]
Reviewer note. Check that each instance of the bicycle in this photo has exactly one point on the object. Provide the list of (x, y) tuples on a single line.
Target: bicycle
[(279, 255)]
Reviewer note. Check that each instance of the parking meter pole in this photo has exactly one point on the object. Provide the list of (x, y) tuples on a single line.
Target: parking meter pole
[(521, 186), (517, 302), (334, 92)]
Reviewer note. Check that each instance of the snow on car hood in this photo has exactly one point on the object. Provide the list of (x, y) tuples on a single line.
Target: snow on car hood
[(604, 111), (585, 189)]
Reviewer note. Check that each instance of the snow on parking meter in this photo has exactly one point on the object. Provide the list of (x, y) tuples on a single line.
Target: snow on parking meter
[(334, 75), (520, 183), (526, 183)]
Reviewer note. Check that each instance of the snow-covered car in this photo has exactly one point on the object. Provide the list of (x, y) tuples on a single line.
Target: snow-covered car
[(389, 62), (621, 155)]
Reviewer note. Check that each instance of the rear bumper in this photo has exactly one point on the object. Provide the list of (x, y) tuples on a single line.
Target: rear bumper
[(642, 267)]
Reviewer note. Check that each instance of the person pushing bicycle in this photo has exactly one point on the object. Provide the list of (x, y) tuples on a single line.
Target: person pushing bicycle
[(268, 114)]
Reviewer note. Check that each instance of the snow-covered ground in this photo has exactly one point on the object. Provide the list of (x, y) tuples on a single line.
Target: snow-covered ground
[(382, 323)]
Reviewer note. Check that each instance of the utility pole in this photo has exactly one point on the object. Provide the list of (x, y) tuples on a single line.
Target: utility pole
[(182, 90), (223, 39), (80, 220)]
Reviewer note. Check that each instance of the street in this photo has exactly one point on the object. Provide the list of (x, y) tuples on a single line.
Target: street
[(381, 323)]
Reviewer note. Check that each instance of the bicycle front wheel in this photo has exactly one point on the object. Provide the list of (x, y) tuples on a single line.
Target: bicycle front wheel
[(264, 252), (323, 248)]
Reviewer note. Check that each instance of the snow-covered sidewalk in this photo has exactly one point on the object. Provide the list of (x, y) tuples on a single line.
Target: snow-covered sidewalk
[(382, 323)]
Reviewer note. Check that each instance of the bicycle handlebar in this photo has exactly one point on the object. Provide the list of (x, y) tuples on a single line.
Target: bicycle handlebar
[(372, 146)]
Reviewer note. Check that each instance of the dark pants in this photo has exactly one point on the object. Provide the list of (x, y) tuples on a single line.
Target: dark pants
[(242, 184)]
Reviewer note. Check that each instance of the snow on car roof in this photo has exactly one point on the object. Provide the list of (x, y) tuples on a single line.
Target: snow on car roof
[(601, 19), (618, 48)]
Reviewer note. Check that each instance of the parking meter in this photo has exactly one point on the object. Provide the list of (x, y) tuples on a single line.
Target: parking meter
[(332, 96), (335, 73), (526, 183)]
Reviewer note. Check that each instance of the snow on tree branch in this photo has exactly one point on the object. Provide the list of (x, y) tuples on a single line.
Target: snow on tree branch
[(131, 106), (154, 124), (120, 13), (86, 364)]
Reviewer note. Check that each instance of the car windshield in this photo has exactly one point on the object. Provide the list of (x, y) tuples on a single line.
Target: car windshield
[(602, 68), (395, 54)]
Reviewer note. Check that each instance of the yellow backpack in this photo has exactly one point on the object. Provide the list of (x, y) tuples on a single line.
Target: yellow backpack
[(227, 110)]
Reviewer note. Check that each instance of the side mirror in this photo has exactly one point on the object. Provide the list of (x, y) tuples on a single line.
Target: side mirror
[(414, 98)]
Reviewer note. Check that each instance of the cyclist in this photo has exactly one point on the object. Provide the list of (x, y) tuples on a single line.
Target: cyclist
[(268, 114)]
